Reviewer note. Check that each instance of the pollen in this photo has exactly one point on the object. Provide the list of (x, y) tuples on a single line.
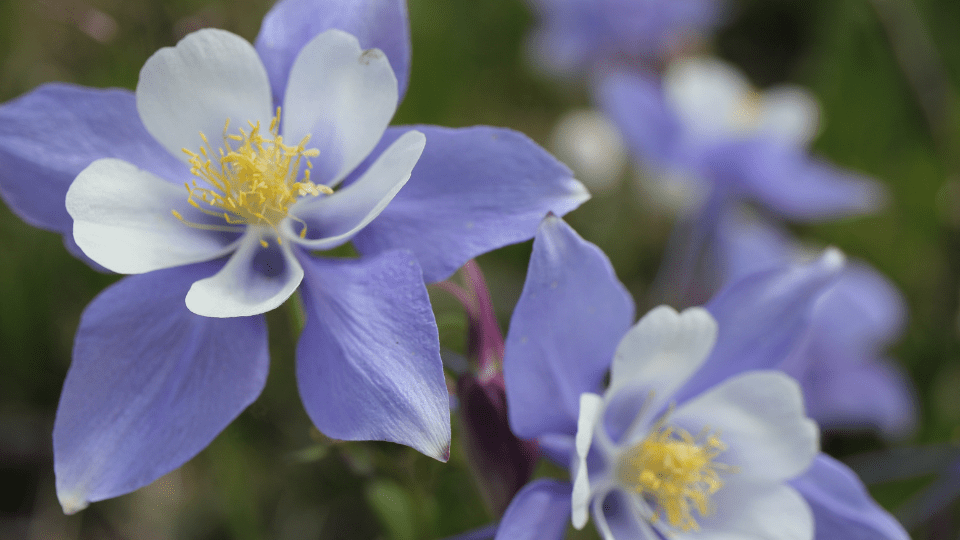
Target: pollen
[(675, 472), (252, 179)]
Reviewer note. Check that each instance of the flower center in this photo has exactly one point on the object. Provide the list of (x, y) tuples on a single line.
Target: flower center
[(745, 116), (676, 472), (252, 184)]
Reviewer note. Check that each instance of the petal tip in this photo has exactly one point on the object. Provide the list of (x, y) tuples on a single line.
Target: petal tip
[(72, 502), (439, 451), (444, 455), (578, 191), (833, 259)]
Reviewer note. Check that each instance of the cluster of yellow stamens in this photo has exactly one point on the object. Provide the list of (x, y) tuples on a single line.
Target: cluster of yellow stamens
[(253, 184), (674, 471)]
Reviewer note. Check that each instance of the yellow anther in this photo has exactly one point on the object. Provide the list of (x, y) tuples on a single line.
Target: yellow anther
[(253, 184), (676, 472)]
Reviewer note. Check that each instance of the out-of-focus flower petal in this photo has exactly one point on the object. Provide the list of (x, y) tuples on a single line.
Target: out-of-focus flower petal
[(790, 182), (333, 220), (560, 47), (342, 97), (209, 77), (51, 134), (635, 103), (151, 385), (871, 394), (368, 360), (781, 303), (845, 381), (474, 189), (759, 416), (592, 146), (708, 95), (540, 511), (580, 35), (841, 506), (746, 244), (291, 24), (791, 114), (255, 280), (122, 220), (863, 312), (564, 331)]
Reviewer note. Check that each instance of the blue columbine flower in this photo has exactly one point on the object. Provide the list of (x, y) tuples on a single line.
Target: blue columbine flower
[(691, 438), (713, 141), (578, 35), (705, 127), (220, 227)]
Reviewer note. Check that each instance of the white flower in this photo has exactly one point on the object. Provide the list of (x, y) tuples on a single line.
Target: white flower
[(714, 100), (258, 182), (714, 466)]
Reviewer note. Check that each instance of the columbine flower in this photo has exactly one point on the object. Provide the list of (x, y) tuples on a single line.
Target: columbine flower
[(250, 194), (578, 35), (226, 223), (715, 464), (690, 438), (847, 381), (706, 134), (707, 127)]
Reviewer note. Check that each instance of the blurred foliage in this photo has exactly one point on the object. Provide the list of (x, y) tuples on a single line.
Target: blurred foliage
[(886, 72)]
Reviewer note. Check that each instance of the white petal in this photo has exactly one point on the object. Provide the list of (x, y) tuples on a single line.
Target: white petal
[(333, 220), (122, 220), (759, 415), (591, 408), (210, 76), (709, 95), (755, 512), (790, 113), (341, 95), (581, 497), (662, 351), (250, 283)]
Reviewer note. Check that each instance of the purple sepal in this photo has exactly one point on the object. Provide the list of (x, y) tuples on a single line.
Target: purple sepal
[(565, 328), (841, 506), (368, 360), (151, 384), (291, 24), (52, 133), (474, 189), (540, 511)]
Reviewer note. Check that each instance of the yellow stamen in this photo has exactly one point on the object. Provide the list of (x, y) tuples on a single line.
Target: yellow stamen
[(253, 184), (676, 472)]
